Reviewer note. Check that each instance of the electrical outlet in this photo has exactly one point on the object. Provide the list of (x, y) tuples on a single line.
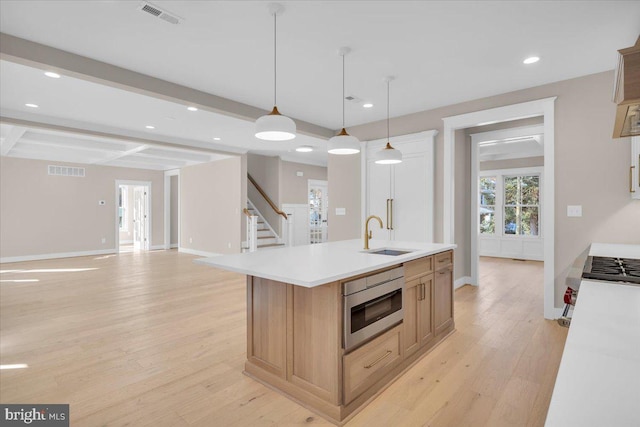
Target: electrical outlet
[(229, 245), (104, 240), (101, 202), (575, 211), (190, 239)]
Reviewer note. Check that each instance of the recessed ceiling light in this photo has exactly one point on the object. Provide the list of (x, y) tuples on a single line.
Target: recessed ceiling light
[(531, 60), (304, 149), (216, 138), (150, 127), (192, 109), (367, 105), (52, 75), (31, 105)]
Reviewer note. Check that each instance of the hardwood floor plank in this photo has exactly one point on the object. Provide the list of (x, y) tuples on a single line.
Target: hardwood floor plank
[(154, 339)]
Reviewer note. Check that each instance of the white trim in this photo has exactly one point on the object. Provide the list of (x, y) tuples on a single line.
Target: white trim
[(173, 246), (126, 242), (148, 212), (466, 280), (199, 253), (167, 207), (541, 107), (157, 247), (507, 133), (57, 255)]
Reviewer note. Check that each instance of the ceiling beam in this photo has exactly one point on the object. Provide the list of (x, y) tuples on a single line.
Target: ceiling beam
[(10, 140), (122, 154), (25, 52)]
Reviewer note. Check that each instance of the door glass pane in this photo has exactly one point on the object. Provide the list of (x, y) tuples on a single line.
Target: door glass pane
[(530, 190), (529, 221), (511, 190), (486, 207), (510, 220)]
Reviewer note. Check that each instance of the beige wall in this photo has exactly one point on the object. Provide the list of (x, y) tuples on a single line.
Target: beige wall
[(174, 206), (210, 206), (295, 189), (42, 214), (525, 162), (344, 192), (591, 168)]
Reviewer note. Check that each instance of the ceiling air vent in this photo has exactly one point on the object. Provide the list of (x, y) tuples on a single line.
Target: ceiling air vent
[(66, 171), (159, 13)]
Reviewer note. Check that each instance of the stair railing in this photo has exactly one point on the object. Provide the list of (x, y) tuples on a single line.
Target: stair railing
[(252, 230), (264, 195)]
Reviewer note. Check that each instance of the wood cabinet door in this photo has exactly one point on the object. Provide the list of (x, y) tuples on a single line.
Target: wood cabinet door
[(425, 314), (443, 298), (411, 304)]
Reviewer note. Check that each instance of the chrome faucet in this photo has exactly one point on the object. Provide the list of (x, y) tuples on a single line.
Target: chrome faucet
[(367, 232)]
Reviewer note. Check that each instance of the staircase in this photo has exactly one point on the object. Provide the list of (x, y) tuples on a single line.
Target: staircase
[(267, 238)]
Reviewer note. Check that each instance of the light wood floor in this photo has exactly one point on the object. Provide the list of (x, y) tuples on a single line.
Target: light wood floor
[(154, 339)]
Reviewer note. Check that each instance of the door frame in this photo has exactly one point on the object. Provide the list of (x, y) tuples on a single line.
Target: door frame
[(542, 107), (148, 228), (167, 206)]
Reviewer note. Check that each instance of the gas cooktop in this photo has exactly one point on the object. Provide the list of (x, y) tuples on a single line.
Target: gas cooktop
[(612, 269)]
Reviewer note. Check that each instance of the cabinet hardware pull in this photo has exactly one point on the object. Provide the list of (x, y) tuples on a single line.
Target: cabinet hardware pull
[(391, 214), (443, 260), (388, 224), (444, 271), (424, 294), (631, 189), (375, 362)]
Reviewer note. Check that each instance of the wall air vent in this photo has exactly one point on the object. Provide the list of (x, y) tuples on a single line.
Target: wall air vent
[(159, 13), (66, 171)]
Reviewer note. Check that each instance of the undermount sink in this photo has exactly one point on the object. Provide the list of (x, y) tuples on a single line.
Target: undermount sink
[(390, 252)]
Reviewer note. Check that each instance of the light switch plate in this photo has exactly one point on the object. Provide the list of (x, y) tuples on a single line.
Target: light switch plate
[(574, 210), (341, 211), (299, 173)]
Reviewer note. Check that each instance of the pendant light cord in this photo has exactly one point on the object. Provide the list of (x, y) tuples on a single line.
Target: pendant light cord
[(342, 91), (387, 111), (275, 51)]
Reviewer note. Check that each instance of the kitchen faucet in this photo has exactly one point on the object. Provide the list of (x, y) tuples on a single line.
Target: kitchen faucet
[(367, 232)]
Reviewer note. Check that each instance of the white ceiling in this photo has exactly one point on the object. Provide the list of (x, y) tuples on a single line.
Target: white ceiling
[(442, 52)]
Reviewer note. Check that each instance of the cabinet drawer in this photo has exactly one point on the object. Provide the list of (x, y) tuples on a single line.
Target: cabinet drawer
[(418, 267), (366, 365), (444, 259)]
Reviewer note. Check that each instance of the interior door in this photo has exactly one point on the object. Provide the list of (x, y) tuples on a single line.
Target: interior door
[(140, 218)]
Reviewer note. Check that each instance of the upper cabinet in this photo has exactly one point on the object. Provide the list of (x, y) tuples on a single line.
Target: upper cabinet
[(402, 194), (634, 169), (627, 92)]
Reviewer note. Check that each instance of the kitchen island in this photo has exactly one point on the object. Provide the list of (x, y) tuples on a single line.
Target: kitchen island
[(296, 318)]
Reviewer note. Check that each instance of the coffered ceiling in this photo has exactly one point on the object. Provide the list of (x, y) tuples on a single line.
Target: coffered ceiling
[(441, 52)]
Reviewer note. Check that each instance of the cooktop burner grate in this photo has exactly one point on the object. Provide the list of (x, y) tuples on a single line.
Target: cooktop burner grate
[(612, 269)]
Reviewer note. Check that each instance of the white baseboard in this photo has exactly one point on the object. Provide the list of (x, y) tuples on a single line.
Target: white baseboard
[(173, 246), (199, 253), (56, 255), (126, 242), (466, 280), (157, 247)]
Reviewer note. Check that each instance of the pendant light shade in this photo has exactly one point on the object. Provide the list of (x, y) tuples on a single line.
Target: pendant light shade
[(343, 143), (274, 126), (388, 155)]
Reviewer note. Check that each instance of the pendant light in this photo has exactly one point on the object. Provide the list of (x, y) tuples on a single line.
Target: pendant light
[(343, 143), (274, 126), (388, 155)]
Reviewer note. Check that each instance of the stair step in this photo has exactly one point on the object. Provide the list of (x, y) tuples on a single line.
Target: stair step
[(271, 245), (266, 237)]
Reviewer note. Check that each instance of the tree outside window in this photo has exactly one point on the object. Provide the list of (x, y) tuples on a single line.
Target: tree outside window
[(521, 205), (123, 210), (487, 205)]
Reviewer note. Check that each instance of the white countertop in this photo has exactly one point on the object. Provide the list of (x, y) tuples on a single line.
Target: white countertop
[(315, 265), (598, 383), (615, 250)]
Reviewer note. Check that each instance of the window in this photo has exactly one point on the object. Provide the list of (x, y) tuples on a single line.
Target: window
[(123, 208), (521, 205), (487, 205)]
